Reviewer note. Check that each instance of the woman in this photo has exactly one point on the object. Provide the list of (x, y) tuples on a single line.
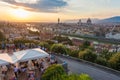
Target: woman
[(16, 70), (4, 71)]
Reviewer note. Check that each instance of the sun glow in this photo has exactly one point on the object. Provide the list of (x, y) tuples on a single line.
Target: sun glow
[(20, 14)]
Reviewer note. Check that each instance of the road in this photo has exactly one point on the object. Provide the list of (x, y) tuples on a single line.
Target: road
[(94, 72)]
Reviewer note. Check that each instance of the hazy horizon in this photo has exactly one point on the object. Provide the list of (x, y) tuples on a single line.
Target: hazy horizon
[(50, 10)]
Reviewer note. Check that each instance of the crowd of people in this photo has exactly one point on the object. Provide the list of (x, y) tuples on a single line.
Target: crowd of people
[(9, 48), (28, 69)]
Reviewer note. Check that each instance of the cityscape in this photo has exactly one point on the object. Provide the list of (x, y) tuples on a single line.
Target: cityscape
[(59, 40)]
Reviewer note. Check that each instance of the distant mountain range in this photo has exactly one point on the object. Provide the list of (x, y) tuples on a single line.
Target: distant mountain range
[(115, 19)]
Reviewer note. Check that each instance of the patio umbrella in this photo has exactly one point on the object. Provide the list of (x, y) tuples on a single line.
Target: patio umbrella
[(6, 59), (30, 54)]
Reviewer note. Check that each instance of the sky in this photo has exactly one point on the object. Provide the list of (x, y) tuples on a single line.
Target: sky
[(51, 10)]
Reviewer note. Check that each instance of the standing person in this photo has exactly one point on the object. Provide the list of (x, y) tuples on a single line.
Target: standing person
[(4, 71), (42, 70), (16, 71), (13, 78), (30, 65), (39, 63), (3, 45), (36, 63), (65, 66)]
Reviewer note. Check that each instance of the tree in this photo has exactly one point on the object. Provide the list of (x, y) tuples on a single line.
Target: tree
[(45, 45), (36, 33), (64, 40), (101, 61), (105, 54), (59, 48), (88, 55), (114, 61), (2, 36), (85, 45), (50, 42), (74, 53), (56, 72)]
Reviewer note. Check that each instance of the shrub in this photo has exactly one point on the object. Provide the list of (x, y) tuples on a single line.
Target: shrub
[(87, 55), (2, 36), (59, 48), (74, 53), (56, 72), (64, 40), (44, 44), (53, 72), (114, 61), (101, 61), (85, 45)]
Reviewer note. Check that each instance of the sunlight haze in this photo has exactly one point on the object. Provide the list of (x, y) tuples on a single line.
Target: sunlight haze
[(47, 10)]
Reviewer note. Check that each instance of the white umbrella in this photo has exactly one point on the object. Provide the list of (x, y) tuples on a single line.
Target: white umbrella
[(4, 59), (3, 62), (30, 54), (7, 58)]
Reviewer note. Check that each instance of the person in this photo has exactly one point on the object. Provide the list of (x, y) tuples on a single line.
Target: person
[(32, 78), (56, 61), (16, 71), (13, 78), (30, 65), (31, 74), (36, 63), (42, 70), (65, 66), (4, 71), (52, 59)]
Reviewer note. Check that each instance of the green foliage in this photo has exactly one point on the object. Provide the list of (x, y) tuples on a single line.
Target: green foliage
[(34, 32), (23, 41), (91, 48), (88, 55), (53, 72), (101, 61), (114, 61), (74, 53), (50, 42), (64, 40), (2, 36), (105, 54), (44, 44), (56, 72), (85, 77), (59, 48), (85, 45), (76, 77)]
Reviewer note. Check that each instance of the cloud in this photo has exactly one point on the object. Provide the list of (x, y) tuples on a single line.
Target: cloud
[(39, 5)]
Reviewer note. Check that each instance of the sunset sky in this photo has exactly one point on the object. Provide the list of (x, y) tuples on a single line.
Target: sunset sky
[(50, 10)]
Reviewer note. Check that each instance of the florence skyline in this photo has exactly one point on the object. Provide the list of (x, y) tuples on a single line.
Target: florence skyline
[(50, 10)]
